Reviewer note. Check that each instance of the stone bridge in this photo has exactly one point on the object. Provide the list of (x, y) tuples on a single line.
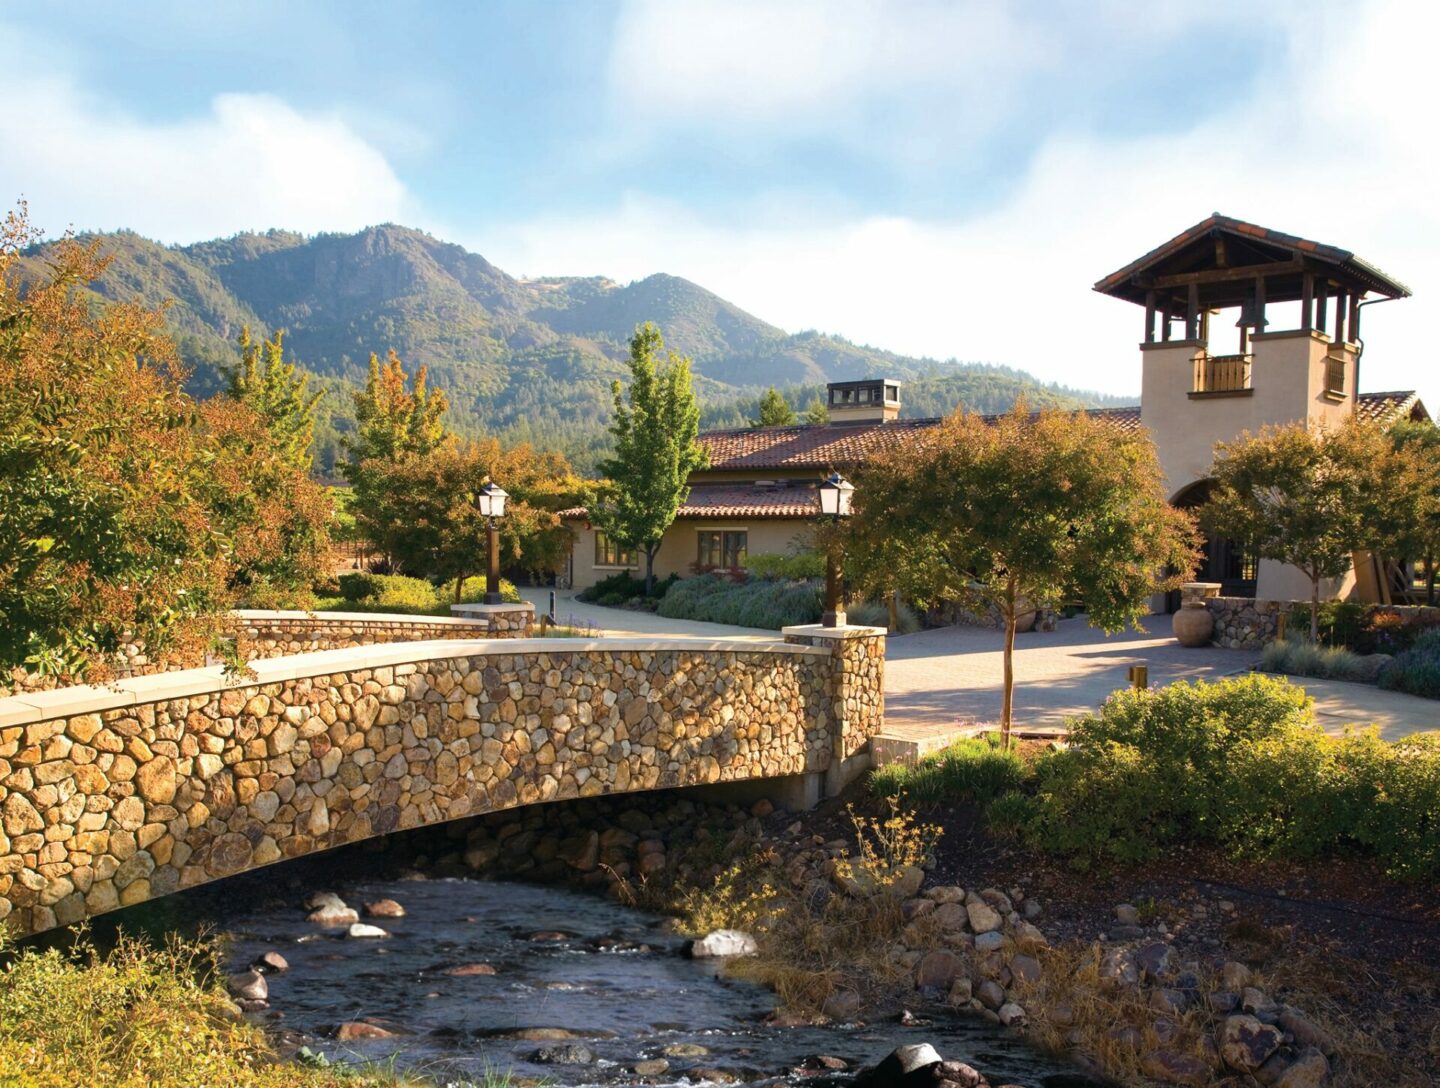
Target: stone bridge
[(110, 796)]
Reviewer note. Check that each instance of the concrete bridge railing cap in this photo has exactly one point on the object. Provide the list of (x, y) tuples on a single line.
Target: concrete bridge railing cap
[(815, 630), (261, 615)]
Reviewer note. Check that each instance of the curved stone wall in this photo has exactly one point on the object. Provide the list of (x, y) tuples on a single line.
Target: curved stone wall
[(111, 796)]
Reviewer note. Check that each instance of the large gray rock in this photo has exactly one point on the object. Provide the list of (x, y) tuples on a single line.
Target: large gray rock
[(1246, 1042), (938, 970), (248, 986), (724, 942), (1309, 1070), (563, 1054), (1305, 1031), (983, 917), (903, 1066)]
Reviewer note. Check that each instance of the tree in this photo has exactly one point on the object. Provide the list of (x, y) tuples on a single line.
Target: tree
[(278, 392), (655, 448), (775, 411), (274, 519), (1031, 510), (1415, 480), (105, 536), (1307, 498), (435, 530), (395, 419), (817, 413)]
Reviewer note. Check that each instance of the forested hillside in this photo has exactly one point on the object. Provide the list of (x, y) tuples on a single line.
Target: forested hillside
[(523, 359)]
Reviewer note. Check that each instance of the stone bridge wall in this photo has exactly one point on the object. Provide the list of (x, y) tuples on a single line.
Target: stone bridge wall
[(111, 796), (260, 634)]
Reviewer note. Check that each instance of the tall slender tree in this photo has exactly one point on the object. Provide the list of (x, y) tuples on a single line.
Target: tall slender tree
[(655, 429), (1415, 482), (775, 410), (279, 393), (817, 413)]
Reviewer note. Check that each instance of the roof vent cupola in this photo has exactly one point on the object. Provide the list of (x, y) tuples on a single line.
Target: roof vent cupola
[(873, 400)]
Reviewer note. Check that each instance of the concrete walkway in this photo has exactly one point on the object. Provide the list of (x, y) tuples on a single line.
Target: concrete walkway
[(939, 680)]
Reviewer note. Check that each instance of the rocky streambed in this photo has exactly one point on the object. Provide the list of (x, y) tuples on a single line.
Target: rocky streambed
[(548, 982)]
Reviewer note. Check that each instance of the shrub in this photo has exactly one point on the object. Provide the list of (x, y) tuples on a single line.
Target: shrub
[(792, 566), (767, 605), (1416, 670), (974, 771), (397, 593), (139, 1016), (1238, 763), (1307, 659), (877, 614), (625, 586), (1362, 628)]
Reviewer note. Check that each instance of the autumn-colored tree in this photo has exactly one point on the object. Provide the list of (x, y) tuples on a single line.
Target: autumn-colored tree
[(105, 534), (655, 449), (278, 392), (273, 518), (775, 410), (1309, 498), (430, 523), (1026, 511)]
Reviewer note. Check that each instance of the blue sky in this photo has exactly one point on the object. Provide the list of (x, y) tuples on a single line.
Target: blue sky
[(900, 173)]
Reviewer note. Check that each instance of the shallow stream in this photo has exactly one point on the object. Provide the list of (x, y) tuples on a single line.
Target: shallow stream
[(607, 975)]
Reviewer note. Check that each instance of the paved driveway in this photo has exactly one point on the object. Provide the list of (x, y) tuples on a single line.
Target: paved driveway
[(937, 680)]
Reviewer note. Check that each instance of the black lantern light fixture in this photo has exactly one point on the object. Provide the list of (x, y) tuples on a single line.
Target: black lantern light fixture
[(835, 494), (490, 501)]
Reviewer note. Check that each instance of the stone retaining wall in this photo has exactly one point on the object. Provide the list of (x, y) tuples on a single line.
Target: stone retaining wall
[(261, 634), (111, 796), (1243, 623)]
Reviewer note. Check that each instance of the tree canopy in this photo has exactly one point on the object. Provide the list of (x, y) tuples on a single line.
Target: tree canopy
[(1027, 511), (1309, 498), (1417, 510), (278, 392), (655, 450), (775, 410)]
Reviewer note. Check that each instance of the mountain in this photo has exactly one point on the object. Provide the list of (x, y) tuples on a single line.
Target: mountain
[(526, 359)]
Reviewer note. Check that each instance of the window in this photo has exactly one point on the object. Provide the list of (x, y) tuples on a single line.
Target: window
[(610, 554), (722, 548)]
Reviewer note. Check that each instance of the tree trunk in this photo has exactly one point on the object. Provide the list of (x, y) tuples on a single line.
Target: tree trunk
[(650, 550), (894, 611), (1008, 705), (1315, 610), (459, 585), (1430, 580)]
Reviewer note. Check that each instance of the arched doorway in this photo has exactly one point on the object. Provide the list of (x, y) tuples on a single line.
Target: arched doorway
[(1221, 560)]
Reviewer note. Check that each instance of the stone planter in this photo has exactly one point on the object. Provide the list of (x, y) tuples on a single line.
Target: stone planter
[(1193, 624)]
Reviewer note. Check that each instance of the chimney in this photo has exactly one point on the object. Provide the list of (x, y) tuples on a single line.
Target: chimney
[(873, 400)]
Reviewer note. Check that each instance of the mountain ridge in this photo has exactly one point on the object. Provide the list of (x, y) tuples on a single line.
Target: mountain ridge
[(527, 359)]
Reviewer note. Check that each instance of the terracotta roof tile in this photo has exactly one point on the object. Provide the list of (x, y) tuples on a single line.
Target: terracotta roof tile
[(1388, 407), (740, 501)]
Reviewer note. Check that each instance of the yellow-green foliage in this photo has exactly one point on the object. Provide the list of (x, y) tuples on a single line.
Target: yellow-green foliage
[(972, 770), (744, 897), (1239, 763), (139, 1017), (886, 848)]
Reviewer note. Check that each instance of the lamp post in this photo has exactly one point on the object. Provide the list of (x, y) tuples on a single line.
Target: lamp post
[(835, 495), (491, 502)]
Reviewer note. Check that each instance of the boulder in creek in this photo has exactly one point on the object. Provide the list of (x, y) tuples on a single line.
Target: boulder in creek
[(248, 986), (685, 1050), (332, 917), (384, 908), (723, 942), (650, 1067), (355, 1030), (361, 931), (909, 1066), (841, 1005), (270, 963), (469, 970), (1011, 1014), (322, 900), (563, 1054)]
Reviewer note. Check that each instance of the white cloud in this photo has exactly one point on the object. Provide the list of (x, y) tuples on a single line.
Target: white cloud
[(249, 162), (1333, 144)]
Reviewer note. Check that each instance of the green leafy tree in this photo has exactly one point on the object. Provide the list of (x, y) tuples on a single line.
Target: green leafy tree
[(1031, 510), (655, 448), (1311, 499), (775, 411), (278, 392), (1415, 481), (817, 413), (396, 418)]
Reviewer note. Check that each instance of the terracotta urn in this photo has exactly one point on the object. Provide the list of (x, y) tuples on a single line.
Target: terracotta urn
[(1193, 624)]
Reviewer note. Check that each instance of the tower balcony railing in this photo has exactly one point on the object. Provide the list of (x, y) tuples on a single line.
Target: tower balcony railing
[(1222, 374)]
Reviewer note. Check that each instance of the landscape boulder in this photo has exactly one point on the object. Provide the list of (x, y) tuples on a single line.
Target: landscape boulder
[(723, 942)]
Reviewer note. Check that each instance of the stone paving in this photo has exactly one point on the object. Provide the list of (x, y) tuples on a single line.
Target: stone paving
[(941, 679)]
